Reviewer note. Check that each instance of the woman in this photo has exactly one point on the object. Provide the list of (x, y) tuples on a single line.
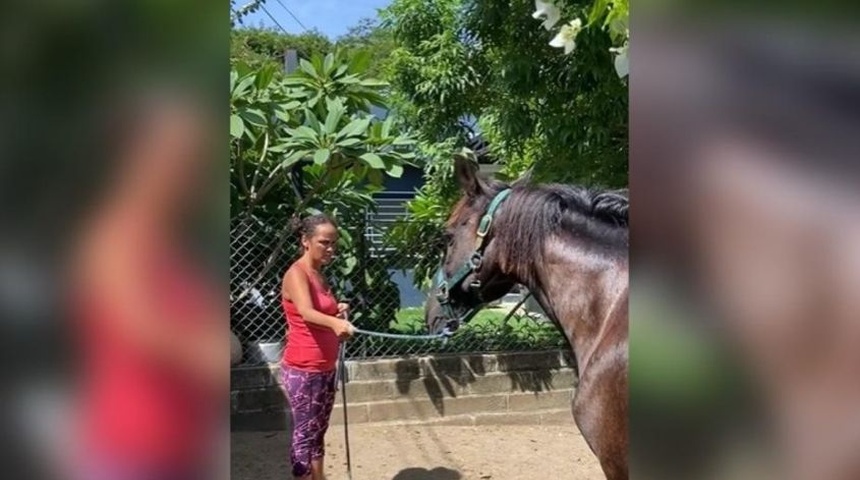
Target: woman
[(149, 320), (316, 323)]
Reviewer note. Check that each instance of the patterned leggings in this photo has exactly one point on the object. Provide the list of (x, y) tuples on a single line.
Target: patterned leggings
[(311, 397)]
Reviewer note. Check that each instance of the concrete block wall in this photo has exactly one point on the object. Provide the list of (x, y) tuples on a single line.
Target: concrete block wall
[(472, 389)]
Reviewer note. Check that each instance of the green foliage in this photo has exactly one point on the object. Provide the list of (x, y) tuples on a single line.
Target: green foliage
[(564, 117), (564, 114), (260, 47), (316, 122), (436, 75), (371, 38), (418, 234), (490, 330), (319, 115)]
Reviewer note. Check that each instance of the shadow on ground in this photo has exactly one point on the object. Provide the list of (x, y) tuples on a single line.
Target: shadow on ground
[(438, 473)]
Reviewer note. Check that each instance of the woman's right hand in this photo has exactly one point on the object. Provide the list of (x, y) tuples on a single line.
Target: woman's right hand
[(343, 329)]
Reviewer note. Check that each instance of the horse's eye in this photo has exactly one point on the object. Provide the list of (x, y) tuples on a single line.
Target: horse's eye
[(445, 240)]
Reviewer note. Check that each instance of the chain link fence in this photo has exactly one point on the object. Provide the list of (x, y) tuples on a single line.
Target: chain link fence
[(382, 297)]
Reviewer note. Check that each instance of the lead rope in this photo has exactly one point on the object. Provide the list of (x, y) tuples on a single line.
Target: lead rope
[(342, 375), (341, 366)]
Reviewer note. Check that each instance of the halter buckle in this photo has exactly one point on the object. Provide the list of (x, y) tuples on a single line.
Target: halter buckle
[(475, 261), (442, 291), (484, 226)]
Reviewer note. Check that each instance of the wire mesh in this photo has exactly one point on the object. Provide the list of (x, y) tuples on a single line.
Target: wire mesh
[(382, 296)]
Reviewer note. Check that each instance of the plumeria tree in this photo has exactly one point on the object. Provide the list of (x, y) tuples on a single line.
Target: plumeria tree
[(316, 125)]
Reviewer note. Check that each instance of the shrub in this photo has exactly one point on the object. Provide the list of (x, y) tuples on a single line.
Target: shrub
[(489, 331)]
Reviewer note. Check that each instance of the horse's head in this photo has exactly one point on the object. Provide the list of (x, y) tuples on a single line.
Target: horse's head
[(469, 275)]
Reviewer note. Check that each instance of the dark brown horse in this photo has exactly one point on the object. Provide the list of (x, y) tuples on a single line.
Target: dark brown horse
[(568, 245)]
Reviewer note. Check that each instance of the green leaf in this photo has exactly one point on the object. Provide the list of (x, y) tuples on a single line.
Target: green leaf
[(350, 264), (244, 69), (335, 113), (307, 67), (375, 99), (360, 61), (375, 177), (237, 127), (281, 148), (348, 142), (372, 82), (297, 79), (264, 77), (303, 131), (282, 111), (321, 156), (373, 160), (331, 121), (243, 86), (312, 120), (395, 171), (386, 126), (317, 62), (328, 66), (254, 117), (355, 128), (349, 80), (294, 158), (598, 10)]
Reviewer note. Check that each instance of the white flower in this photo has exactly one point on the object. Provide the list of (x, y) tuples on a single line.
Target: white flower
[(548, 10), (622, 65), (567, 36)]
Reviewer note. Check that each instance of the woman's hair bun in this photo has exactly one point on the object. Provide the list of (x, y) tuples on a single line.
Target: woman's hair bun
[(296, 225), (302, 227)]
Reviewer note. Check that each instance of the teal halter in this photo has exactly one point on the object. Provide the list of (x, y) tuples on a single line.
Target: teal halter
[(443, 285)]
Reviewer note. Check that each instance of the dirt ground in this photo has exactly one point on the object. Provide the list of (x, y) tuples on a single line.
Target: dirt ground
[(427, 453)]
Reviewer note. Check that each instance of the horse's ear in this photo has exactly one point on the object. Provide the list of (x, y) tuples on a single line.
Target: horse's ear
[(466, 172), (525, 178)]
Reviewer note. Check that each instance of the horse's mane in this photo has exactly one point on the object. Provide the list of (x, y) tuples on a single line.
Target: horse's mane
[(534, 213)]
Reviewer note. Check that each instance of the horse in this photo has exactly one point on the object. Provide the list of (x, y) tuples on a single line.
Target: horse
[(569, 246)]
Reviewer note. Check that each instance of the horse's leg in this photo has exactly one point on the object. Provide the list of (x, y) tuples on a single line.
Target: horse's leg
[(600, 411)]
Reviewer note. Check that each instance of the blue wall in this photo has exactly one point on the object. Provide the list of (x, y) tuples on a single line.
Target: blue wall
[(411, 180), (409, 295)]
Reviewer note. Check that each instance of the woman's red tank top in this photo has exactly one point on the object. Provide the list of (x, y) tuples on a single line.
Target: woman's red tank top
[(311, 347), (134, 408)]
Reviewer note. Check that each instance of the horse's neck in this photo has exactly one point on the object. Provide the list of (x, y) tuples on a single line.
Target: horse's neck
[(582, 293)]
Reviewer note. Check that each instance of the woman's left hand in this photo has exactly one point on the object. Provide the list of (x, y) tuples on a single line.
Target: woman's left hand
[(342, 310)]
